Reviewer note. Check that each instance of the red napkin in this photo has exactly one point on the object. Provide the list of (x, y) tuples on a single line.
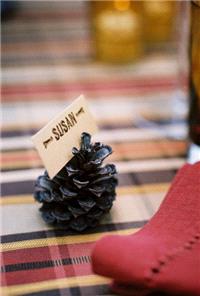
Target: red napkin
[(165, 254)]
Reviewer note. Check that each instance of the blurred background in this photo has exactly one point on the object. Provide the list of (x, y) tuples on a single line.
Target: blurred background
[(130, 60), (131, 51)]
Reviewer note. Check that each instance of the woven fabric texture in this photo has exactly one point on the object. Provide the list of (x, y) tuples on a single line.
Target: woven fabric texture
[(46, 60)]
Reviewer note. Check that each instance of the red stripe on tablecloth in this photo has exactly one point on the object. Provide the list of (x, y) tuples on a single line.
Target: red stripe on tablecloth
[(19, 156), (46, 253), (38, 275), (121, 150), (90, 94), (102, 85)]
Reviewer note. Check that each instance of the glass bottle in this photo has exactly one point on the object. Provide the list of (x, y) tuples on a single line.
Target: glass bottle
[(159, 21), (194, 113)]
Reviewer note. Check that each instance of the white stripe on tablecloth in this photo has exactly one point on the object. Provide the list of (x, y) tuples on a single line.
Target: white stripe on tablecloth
[(177, 131), (122, 167), (164, 66), (149, 165), (125, 209), (104, 109)]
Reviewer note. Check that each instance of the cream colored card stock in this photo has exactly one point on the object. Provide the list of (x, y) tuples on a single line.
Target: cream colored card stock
[(55, 141)]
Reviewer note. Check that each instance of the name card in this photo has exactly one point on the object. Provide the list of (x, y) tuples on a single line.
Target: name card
[(55, 141)]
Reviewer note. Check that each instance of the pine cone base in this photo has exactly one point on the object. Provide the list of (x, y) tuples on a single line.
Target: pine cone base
[(82, 192)]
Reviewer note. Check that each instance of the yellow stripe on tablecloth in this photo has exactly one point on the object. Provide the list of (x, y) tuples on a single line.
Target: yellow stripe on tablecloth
[(148, 188), (89, 280), (30, 163), (75, 239), (28, 198), (17, 199)]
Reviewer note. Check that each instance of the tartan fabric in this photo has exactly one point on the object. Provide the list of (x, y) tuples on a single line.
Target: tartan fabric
[(46, 59)]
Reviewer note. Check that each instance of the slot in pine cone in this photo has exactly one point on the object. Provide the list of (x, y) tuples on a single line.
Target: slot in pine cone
[(82, 192)]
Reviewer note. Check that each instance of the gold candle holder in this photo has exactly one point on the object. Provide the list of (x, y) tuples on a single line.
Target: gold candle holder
[(117, 30)]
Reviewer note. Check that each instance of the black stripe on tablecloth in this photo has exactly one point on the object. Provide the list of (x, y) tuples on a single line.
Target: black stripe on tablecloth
[(28, 132), (125, 179), (142, 124), (60, 35), (62, 232), (18, 133), (44, 58), (28, 167), (45, 264), (96, 290)]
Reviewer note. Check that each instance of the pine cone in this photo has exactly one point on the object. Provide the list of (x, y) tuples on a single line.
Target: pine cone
[(82, 192)]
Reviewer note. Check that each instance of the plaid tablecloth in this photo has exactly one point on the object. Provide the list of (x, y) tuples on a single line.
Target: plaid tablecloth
[(140, 109)]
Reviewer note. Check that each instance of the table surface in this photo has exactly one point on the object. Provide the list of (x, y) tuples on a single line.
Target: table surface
[(140, 109)]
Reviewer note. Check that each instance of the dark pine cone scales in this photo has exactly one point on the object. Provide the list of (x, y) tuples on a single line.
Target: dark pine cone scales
[(82, 192)]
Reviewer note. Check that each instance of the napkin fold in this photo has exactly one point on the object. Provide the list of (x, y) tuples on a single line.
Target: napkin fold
[(164, 256)]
